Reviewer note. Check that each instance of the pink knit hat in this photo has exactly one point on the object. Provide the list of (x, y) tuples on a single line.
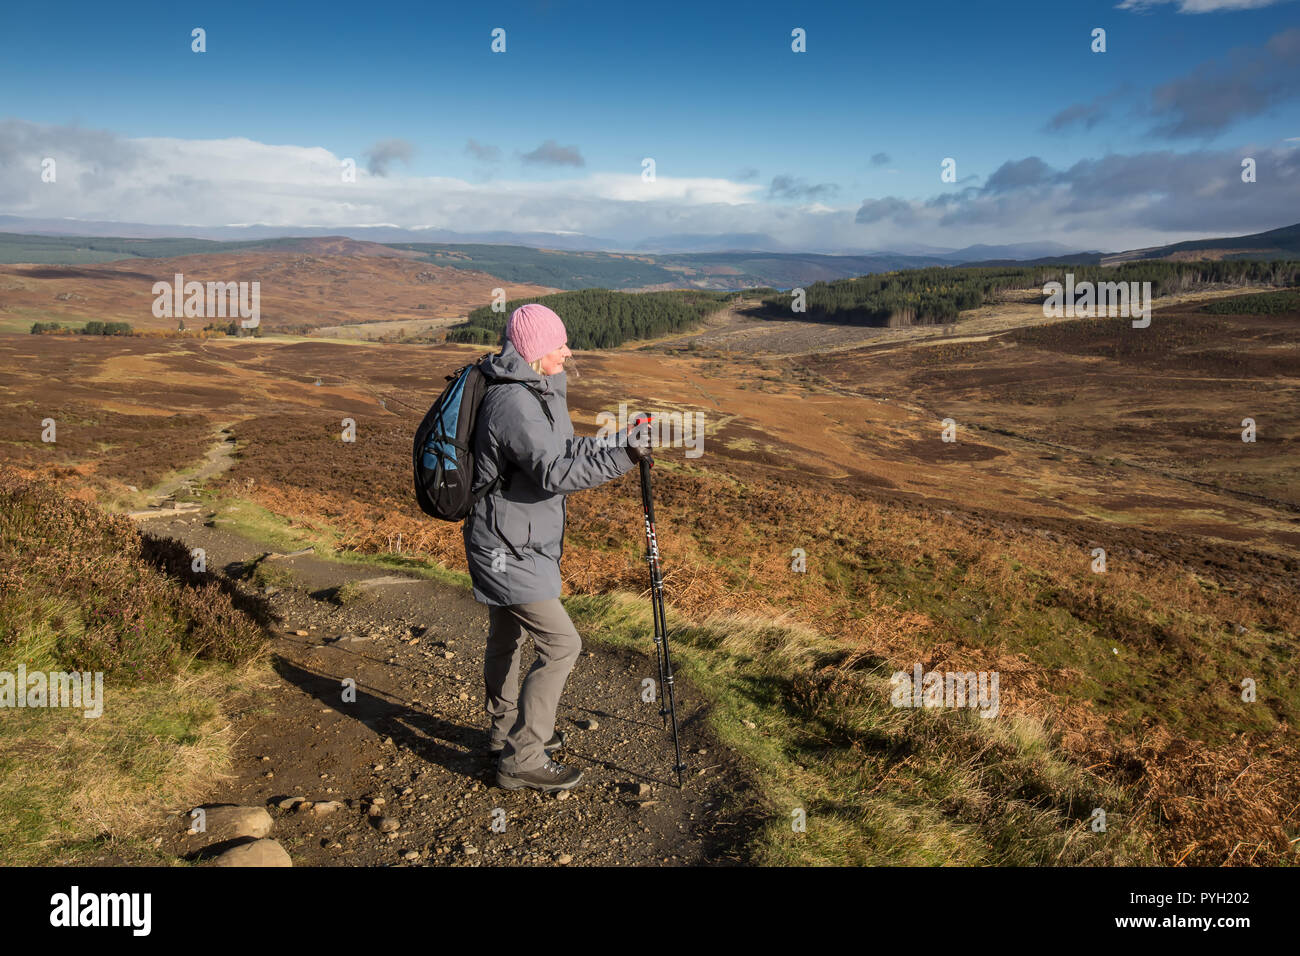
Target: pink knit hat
[(535, 330)]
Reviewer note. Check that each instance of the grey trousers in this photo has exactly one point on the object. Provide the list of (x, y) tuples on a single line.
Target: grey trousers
[(525, 721)]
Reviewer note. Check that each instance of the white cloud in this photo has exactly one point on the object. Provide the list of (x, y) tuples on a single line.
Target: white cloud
[(1199, 6), (212, 182), (628, 187), (1114, 202)]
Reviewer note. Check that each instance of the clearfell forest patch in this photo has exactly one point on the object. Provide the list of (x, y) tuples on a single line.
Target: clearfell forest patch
[(1069, 504)]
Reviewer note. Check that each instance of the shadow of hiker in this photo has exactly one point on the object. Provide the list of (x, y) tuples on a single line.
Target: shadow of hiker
[(685, 723), (669, 780), (450, 746)]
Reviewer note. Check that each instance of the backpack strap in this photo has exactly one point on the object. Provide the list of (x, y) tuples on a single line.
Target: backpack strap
[(546, 409), (537, 395)]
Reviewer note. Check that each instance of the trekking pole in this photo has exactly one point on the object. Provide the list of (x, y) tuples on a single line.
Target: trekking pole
[(660, 618)]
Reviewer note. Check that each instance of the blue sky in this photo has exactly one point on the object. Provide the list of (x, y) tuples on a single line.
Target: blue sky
[(747, 136)]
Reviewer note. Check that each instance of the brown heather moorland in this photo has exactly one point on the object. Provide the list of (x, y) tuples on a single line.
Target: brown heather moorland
[(313, 284), (85, 592), (971, 555)]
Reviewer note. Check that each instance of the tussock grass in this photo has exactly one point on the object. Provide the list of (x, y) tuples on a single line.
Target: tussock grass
[(349, 593)]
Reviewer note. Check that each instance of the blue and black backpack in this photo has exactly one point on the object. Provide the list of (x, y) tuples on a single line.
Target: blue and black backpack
[(444, 455)]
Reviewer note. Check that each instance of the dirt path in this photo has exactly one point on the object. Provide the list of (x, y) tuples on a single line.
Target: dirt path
[(415, 737), (219, 458)]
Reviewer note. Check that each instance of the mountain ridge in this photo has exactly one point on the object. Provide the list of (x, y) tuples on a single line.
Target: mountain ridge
[(558, 266)]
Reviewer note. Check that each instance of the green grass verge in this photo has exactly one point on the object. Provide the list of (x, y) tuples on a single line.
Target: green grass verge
[(251, 520), (876, 784)]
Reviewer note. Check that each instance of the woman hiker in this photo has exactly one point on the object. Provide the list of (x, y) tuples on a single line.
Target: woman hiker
[(514, 538)]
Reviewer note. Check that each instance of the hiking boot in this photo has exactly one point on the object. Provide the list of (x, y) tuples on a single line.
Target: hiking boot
[(555, 743), (547, 778)]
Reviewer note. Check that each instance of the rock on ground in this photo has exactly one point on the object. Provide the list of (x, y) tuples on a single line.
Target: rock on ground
[(256, 853), (231, 823)]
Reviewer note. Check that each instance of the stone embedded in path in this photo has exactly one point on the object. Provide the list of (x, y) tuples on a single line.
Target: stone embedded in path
[(232, 823), (257, 853), (326, 806), (639, 790)]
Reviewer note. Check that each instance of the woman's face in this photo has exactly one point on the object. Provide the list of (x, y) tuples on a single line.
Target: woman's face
[(553, 362)]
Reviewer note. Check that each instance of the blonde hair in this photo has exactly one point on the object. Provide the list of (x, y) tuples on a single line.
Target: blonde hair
[(535, 364)]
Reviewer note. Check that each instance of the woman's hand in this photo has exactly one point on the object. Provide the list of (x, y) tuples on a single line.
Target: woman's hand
[(637, 440)]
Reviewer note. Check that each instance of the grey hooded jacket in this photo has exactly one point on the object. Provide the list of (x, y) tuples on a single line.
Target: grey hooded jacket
[(520, 525)]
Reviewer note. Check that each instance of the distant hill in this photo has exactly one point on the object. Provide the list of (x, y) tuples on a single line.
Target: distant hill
[(85, 250), (558, 268), (1283, 243), (1075, 258), (717, 271), (723, 242), (567, 268), (524, 265), (743, 270), (304, 284), (1014, 252), (254, 233)]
